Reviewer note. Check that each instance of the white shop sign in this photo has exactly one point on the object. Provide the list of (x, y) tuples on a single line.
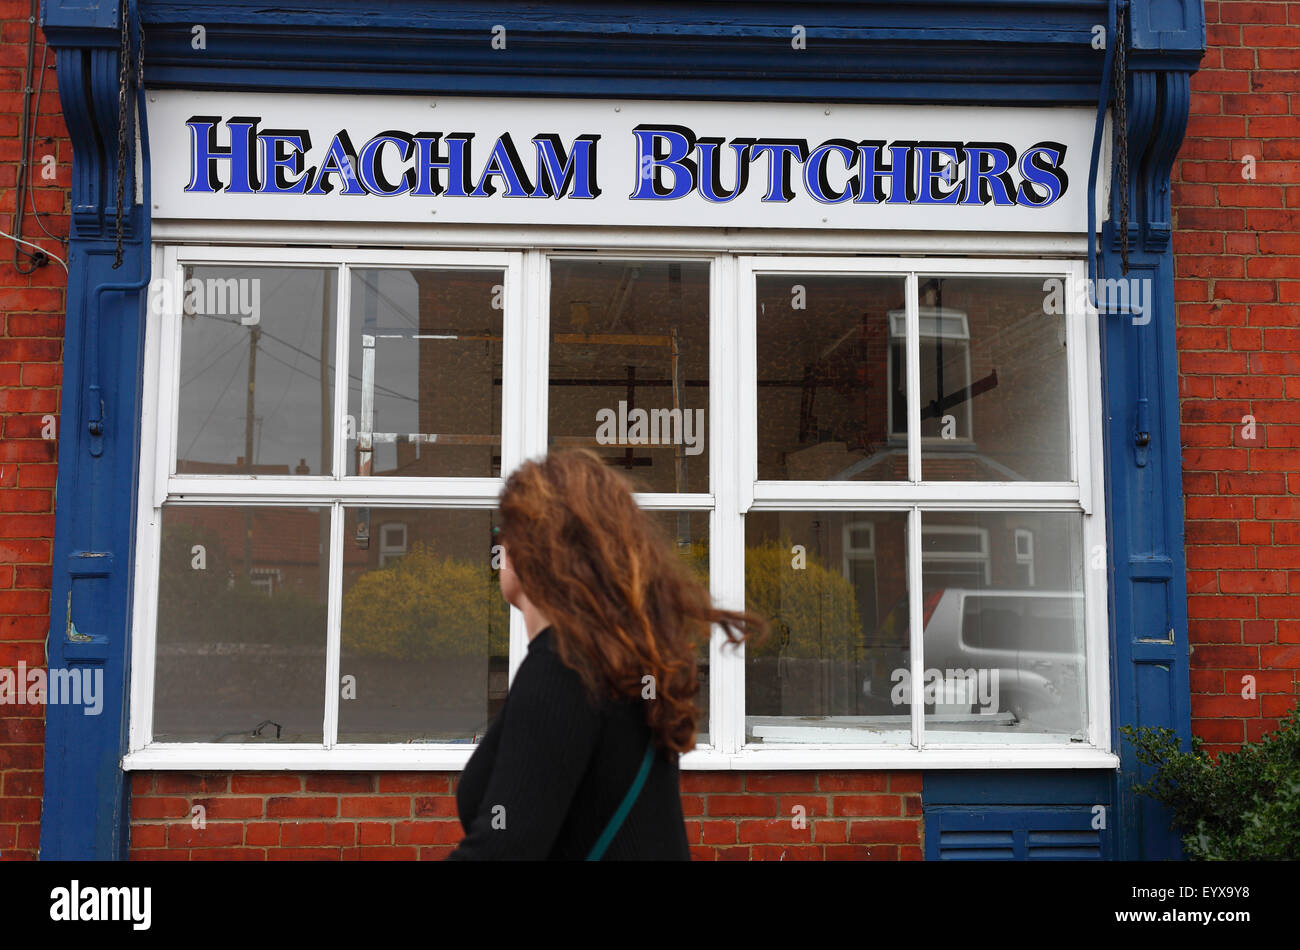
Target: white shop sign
[(237, 156)]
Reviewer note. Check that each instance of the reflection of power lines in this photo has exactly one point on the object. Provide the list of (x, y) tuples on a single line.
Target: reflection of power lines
[(220, 356), (315, 359), (216, 402)]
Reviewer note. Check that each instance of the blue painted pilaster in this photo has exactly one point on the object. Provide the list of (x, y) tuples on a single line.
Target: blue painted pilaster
[(1148, 588), (84, 813)]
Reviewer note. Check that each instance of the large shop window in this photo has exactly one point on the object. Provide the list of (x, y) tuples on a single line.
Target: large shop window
[(891, 459)]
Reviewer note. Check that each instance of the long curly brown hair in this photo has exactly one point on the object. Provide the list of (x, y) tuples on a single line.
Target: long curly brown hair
[(622, 603)]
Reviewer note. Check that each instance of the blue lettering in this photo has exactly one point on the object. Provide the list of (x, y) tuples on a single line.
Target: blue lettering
[(815, 178), (1040, 166), (651, 163), (557, 174), (370, 164)]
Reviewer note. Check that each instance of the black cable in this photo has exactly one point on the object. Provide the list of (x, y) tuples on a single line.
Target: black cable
[(36, 117), (37, 258)]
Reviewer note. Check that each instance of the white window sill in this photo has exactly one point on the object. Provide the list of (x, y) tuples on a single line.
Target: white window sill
[(302, 758)]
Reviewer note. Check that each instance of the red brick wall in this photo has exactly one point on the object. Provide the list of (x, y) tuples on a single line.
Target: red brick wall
[(31, 354), (1237, 253), (730, 816)]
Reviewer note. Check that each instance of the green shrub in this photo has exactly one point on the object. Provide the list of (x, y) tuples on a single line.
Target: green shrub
[(812, 610), (423, 607), (1245, 806)]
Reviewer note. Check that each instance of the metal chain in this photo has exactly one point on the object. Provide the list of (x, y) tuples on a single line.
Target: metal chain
[(1121, 122), (124, 87)]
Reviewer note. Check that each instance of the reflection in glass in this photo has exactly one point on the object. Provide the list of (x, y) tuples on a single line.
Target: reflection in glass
[(425, 630), (830, 585), (825, 390), (688, 531), (994, 399), (253, 398), (629, 374), (424, 397), (1004, 626), (241, 625)]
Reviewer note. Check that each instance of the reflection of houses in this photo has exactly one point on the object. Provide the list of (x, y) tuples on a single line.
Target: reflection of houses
[(278, 549), (832, 380), (283, 548), (993, 550)]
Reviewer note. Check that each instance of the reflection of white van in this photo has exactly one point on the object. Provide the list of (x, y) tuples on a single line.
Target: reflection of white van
[(1031, 641)]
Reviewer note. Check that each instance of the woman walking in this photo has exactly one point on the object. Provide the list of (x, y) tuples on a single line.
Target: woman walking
[(582, 760)]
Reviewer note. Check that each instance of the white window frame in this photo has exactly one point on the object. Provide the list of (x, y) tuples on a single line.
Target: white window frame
[(733, 488), (1081, 495)]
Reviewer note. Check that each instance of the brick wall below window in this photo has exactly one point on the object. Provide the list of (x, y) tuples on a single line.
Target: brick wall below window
[(330, 816)]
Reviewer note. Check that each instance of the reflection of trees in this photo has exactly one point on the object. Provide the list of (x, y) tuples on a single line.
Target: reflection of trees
[(217, 604), (813, 610), (423, 607)]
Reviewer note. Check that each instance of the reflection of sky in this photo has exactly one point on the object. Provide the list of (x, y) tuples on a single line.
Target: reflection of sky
[(391, 299), (214, 373)]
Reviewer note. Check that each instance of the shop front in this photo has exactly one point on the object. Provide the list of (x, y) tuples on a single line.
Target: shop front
[(822, 289)]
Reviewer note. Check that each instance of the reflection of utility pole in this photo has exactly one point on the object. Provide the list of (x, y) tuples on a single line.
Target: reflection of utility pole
[(249, 406)]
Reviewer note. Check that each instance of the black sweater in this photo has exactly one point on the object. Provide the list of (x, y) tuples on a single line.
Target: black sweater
[(553, 768)]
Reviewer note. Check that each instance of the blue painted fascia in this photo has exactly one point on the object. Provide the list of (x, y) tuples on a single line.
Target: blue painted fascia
[(961, 51)]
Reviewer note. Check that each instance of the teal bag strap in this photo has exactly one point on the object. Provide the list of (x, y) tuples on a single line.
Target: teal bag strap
[(625, 806)]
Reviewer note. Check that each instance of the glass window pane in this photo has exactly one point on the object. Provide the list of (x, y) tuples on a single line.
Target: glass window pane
[(630, 367), (832, 405), (994, 395), (241, 625), (424, 393), (689, 533), (837, 607), (253, 399), (1004, 627), (425, 630)]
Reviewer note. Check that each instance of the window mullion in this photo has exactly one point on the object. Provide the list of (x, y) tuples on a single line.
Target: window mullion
[(1078, 389), (913, 347), (728, 373), (333, 626), (534, 321), (915, 628), (343, 333), (169, 371)]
